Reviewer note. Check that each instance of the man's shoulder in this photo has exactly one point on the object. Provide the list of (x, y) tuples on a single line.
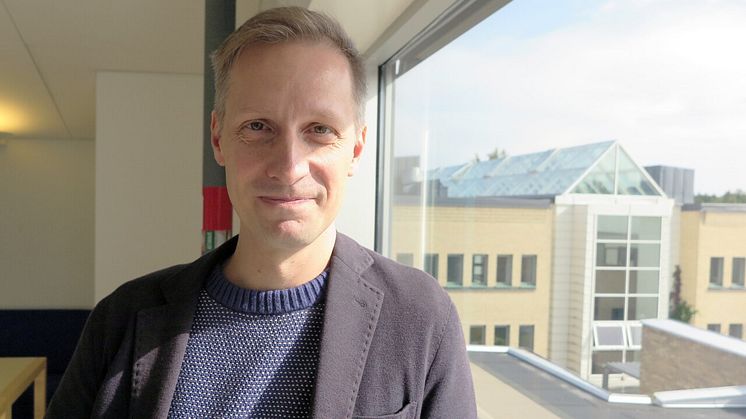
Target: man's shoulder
[(404, 287)]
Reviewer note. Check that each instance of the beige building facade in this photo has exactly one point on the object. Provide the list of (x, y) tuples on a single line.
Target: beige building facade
[(713, 258)]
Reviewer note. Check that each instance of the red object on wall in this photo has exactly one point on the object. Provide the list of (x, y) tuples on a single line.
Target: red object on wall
[(217, 211)]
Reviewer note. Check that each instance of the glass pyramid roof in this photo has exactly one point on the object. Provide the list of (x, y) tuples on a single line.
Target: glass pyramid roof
[(548, 173)]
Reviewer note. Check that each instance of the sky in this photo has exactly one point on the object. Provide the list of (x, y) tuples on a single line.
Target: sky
[(665, 78)]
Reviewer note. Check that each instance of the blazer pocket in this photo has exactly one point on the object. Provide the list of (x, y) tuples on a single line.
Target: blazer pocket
[(405, 413)]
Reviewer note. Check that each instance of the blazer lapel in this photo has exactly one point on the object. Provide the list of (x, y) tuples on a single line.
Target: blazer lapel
[(162, 334), (351, 313)]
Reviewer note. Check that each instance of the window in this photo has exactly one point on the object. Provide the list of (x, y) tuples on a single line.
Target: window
[(504, 270), (713, 327), (455, 270), (601, 358), (405, 259), (634, 335), (739, 269), (477, 335), (528, 271), (526, 337), (431, 264), (502, 335), (716, 272), (609, 335), (466, 169), (479, 270), (735, 330)]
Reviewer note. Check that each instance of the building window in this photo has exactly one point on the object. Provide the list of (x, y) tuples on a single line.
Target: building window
[(714, 327), (477, 335), (609, 335), (455, 270), (601, 358), (526, 337), (479, 270), (431, 264), (739, 269), (736, 330), (716, 272), (528, 270), (405, 259), (504, 270), (502, 335)]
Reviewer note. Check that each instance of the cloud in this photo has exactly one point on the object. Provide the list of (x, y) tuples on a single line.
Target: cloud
[(667, 79)]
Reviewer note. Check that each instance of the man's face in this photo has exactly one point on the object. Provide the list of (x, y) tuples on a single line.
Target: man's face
[(288, 140)]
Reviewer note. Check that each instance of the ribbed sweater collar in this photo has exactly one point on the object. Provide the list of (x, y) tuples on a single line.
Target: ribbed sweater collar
[(264, 302)]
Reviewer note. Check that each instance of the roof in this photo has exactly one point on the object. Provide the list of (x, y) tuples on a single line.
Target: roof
[(598, 168), (564, 399)]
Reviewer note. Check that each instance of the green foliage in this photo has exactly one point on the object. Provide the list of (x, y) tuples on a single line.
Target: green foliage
[(683, 312), (736, 197)]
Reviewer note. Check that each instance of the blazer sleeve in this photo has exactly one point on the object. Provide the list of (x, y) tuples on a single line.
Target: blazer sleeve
[(449, 391), (78, 387)]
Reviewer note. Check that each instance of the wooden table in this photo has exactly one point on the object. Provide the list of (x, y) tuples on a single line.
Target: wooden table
[(16, 375)]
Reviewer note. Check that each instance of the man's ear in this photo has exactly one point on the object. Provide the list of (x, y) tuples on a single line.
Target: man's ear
[(357, 151), (217, 150)]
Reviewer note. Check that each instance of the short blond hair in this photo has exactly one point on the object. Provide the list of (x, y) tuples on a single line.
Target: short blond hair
[(285, 24)]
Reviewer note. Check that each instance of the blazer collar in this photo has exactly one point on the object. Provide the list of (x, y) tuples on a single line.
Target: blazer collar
[(351, 314), (162, 334)]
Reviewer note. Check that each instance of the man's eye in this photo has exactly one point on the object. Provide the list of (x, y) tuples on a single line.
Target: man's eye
[(321, 129), (256, 126)]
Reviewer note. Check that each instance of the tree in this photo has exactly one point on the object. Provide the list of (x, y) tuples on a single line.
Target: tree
[(680, 309)]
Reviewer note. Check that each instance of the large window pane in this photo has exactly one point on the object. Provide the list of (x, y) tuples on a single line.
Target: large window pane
[(643, 282), (608, 308), (612, 227), (610, 282), (646, 228), (478, 149), (609, 335), (736, 330), (601, 358), (608, 254), (645, 255), (643, 308)]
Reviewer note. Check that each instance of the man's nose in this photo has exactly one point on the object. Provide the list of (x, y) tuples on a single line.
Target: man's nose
[(289, 159)]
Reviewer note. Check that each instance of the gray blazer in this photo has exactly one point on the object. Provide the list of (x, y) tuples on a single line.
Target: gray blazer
[(391, 346)]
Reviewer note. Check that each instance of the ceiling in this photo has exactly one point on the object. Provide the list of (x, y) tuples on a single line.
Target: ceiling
[(51, 50)]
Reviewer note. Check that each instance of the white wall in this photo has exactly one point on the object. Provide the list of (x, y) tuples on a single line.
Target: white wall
[(46, 224), (148, 174)]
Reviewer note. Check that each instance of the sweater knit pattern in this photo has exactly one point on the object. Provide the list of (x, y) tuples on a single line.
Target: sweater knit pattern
[(251, 353)]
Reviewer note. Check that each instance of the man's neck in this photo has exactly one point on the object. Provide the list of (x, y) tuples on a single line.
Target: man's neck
[(255, 266)]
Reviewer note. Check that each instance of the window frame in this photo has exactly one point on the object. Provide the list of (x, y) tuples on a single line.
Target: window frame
[(534, 270), (506, 327), (481, 327), (449, 282), (509, 269), (483, 282), (721, 269)]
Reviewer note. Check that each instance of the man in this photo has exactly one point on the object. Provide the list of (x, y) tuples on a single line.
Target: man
[(290, 319)]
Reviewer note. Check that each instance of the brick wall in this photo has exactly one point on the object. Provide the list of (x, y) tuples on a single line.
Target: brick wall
[(671, 362)]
